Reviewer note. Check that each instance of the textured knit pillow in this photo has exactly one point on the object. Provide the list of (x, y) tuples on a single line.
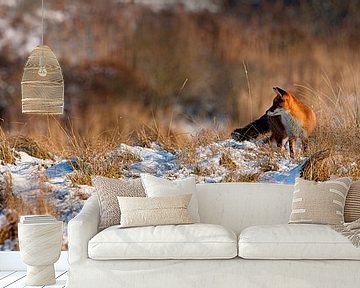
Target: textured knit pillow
[(352, 203), (139, 211), (107, 190), (319, 202), (160, 187)]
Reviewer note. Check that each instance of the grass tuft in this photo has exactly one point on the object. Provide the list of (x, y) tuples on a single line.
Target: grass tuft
[(30, 146), (227, 161), (234, 176), (7, 155)]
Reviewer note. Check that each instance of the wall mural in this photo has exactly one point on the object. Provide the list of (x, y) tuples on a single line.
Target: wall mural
[(158, 88)]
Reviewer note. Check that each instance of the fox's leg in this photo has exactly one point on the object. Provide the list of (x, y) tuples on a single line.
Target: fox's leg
[(283, 142), (292, 145), (273, 141)]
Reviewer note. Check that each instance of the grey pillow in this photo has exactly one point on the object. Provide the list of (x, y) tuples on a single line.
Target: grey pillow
[(108, 190), (352, 203)]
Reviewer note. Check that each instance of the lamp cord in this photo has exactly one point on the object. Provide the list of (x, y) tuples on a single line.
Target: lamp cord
[(42, 61), (42, 22)]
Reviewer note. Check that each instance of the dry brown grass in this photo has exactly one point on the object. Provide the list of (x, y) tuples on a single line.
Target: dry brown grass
[(15, 206), (89, 165), (340, 126), (149, 134), (227, 161), (186, 148), (102, 162), (234, 176), (87, 168), (337, 164), (9, 231), (337, 112), (204, 171), (7, 155), (30, 146), (269, 163)]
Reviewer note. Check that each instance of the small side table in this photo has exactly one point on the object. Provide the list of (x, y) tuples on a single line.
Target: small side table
[(40, 247)]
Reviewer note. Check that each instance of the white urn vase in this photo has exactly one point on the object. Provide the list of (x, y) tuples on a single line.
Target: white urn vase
[(40, 247)]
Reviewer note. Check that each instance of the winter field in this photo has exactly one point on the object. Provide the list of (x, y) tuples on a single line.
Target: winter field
[(46, 183)]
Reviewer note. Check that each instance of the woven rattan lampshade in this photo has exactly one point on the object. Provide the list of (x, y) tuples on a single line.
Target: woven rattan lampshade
[(42, 83)]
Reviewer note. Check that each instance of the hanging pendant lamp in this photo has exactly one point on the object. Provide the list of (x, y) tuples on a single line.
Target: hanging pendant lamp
[(42, 84)]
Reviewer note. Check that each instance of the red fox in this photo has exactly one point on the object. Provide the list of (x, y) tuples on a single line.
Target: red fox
[(298, 119), (287, 119)]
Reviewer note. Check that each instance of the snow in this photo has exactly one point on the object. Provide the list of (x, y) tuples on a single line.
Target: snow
[(190, 5), (157, 161), (32, 176), (285, 177), (58, 171)]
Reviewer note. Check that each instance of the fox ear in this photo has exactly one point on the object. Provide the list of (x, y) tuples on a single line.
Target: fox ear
[(279, 91)]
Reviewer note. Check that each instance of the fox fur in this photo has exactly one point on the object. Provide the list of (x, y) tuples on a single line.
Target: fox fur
[(287, 119)]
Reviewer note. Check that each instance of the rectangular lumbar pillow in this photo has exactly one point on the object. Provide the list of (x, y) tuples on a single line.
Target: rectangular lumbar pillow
[(143, 211), (159, 187), (319, 202), (107, 190)]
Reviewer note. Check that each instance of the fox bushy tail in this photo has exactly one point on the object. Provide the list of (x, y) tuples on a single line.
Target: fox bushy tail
[(252, 130)]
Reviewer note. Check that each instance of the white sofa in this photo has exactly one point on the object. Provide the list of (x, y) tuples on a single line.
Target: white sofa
[(277, 254)]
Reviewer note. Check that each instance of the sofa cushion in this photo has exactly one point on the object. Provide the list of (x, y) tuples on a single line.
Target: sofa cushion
[(295, 241), (192, 241)]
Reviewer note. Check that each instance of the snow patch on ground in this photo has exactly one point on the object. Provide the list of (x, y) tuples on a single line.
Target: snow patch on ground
[(245, 155)]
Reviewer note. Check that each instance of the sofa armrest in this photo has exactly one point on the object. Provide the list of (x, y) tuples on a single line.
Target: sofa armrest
[(82, 228)]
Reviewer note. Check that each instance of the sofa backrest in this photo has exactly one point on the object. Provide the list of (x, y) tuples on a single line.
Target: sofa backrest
[(239, 205)]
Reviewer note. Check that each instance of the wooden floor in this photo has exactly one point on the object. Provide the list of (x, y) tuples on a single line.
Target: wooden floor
[(16, 279)]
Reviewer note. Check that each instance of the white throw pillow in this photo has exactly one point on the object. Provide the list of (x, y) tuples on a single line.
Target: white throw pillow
[(159, 187)]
